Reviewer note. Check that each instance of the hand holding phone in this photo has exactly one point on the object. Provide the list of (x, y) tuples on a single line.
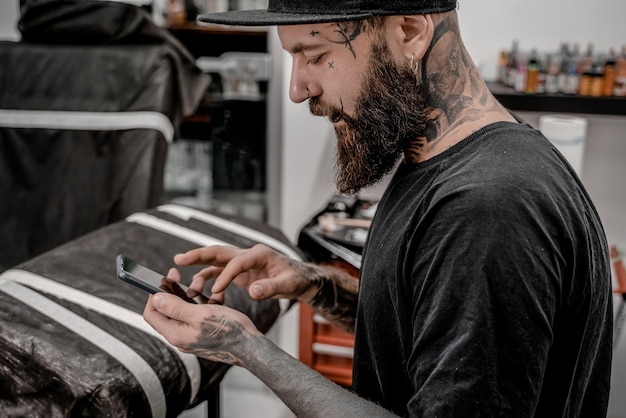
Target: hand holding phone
[(150, 281)]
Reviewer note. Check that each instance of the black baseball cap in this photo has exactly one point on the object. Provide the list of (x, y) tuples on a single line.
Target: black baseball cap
[(295, 12)]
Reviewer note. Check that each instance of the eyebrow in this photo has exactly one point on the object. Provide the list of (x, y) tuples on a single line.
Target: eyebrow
[(300, 47)]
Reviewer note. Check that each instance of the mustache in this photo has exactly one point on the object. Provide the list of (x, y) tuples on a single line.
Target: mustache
[(318, 108)]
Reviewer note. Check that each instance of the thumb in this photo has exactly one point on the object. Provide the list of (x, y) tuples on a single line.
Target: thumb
[(171, 306), (158, 300), (264, 289)]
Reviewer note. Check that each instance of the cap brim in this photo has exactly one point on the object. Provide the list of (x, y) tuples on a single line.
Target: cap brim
[(265, 18)]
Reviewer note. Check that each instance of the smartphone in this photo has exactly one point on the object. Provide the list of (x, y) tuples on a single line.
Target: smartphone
[(151, 281)]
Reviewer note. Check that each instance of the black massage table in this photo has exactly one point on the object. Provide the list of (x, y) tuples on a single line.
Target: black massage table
[(72, 337)]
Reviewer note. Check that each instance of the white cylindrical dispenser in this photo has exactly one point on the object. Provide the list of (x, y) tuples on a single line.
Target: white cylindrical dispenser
[(568, 134)]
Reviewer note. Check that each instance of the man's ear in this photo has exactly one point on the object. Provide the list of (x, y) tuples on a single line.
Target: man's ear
[(413, 34)]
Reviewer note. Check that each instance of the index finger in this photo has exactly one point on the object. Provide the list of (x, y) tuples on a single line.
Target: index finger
[(218, 255), (254, 258)]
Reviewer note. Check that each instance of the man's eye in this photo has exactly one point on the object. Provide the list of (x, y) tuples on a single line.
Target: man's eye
[(315, 60)]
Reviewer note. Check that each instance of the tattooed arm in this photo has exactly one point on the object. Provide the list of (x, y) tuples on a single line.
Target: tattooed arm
[(336, 297), (222, 334), (267, 274), (219, 333)]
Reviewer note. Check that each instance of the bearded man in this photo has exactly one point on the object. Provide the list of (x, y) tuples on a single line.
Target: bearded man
[(485, 285)]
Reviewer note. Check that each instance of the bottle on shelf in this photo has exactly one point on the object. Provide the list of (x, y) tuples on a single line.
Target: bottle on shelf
[(532, 74), (586, 60), (584, 84), (619, 87), (519, 81), (609, 74), (502, 67), (585, 70), (596, 88), (511, 65), (543, 73), (563, 59), (571, 78), (175, 14), (553, 70), (566, 71)]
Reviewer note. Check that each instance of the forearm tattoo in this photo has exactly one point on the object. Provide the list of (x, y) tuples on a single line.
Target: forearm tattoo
[(337, 294)]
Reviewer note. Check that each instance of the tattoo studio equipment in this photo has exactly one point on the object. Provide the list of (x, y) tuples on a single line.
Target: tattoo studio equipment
[(335, 237)]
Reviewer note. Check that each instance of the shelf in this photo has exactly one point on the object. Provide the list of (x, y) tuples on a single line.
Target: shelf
[(560, 103), (220, 29), (209, 40)]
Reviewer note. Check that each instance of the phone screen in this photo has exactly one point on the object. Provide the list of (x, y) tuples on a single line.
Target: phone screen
[(151, 281)]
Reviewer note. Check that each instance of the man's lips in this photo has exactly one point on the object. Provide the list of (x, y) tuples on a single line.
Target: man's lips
[(319, 109)]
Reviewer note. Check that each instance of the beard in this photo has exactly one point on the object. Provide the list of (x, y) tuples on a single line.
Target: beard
[(389, 115)]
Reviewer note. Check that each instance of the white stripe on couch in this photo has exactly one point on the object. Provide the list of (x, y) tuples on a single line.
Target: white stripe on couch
[(88, 121), (142, 371), (173, 229), (106, 308), (185, 213)]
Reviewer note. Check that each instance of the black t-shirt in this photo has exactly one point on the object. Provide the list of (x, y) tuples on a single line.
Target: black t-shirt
[(485, 287)]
